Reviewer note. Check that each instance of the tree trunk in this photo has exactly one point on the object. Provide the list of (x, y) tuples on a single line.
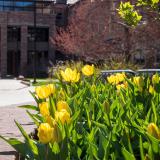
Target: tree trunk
[(127, 45)]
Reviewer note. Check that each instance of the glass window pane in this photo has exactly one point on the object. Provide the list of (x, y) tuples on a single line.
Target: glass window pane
[(8, 3)]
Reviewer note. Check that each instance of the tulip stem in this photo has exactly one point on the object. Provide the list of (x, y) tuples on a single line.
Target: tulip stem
[(46, 152)]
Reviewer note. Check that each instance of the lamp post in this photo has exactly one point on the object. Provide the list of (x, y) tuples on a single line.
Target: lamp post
[(34, 47)]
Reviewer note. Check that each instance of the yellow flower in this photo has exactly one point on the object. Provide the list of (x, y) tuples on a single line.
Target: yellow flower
[(56, 132), (138, 81), (75, 76), (45, 91), (44, 109), (51, 88), (70, 75), (155, 79), (63, 116), (117, 78), (50, 121), (62, 105), (112, 79), (88, 70), (120, 77), (42, 92), (120, 86), (151, 90), (45, 133), (153, 130)]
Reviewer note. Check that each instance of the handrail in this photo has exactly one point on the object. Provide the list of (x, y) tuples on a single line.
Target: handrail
[(129, 71)]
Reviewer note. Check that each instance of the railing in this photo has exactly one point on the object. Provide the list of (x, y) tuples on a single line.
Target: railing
[(105, 73)]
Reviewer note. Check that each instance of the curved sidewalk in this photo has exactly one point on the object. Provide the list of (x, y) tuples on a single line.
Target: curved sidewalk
[(13, 94)]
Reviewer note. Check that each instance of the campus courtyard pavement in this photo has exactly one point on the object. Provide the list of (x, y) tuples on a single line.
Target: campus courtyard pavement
[(12, 94)]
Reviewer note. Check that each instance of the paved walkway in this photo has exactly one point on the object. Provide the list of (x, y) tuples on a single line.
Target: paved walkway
[(12, 94)]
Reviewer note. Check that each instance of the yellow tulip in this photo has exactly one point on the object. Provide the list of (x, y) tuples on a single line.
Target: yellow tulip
[(62, 105), (88, 70), (120, 86), (51, 88), (42, 92), (155, 79), (75, 76), (45, 133), (151, 90), (63, 116), (153, 130), (138, 81), (45, 91), (112, 79), (120, 77), (44, 109), (70, 75), (50, 121), (56, 132), (117, 78)]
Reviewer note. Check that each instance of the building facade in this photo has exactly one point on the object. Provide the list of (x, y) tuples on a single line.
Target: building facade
[(26, 29)]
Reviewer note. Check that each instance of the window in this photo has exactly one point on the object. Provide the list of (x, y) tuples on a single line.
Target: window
[(25, 5), (41, 57), (13, 34), (59, 19), (42, 34), (139, 57)]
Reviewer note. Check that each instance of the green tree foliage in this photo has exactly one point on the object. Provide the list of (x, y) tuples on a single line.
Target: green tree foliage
[(149, 3), (128, 13)]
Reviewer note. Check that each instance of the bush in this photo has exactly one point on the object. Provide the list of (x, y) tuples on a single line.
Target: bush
[(81, 117)]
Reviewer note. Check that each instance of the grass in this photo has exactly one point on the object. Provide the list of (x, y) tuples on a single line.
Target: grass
[(40, 81)]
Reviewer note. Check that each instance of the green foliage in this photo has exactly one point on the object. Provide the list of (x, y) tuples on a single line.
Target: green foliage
[(106, 122), (129, 14), (148, 3)]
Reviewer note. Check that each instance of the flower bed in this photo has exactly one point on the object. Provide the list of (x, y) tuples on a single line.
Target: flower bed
[(81, 117)]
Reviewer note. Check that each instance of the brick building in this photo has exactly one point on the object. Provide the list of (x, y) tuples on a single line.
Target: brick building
[(140, 44), (25, 30)]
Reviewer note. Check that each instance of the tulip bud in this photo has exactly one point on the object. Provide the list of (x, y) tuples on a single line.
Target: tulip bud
[(70, 75), (153, 130), (51, 88), (62, 105), (151, 90), (42, 92), (45, 133), (146, 157), (44, 109), (106, 107), (138, 81), (63, 116), (155, 79), (57, 136), (88, 70)]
